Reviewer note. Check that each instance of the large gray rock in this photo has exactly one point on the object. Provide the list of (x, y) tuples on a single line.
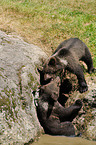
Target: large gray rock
[(18, 78)]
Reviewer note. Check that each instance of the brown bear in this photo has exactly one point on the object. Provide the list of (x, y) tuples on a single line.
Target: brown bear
[(67, 57), (65, 87), (53, 117)]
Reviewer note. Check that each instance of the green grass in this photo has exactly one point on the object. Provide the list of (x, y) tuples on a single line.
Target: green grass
[(46, 23)]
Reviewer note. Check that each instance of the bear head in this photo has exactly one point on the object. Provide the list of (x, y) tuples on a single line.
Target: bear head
[(52, 68)]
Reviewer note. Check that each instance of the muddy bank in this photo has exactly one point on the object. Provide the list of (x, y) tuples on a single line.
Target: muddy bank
[(61, 140), (85, 122)]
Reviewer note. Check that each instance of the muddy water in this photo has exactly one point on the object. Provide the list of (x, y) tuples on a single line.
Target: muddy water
[(61, 140)]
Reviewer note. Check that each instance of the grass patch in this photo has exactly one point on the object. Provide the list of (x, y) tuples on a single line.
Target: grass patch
[(47, 23)]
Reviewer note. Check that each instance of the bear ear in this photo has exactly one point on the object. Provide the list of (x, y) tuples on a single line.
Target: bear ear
[(52, 61)]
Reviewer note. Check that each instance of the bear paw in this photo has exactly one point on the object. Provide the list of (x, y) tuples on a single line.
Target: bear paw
[(83, 88)]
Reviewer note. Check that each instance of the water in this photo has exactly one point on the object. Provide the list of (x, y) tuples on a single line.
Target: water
[(62, 140)]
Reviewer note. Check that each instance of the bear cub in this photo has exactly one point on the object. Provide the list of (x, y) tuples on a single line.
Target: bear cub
[(53, 117), (67, 57)]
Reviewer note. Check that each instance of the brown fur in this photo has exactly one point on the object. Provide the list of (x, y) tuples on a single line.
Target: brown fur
[(54, 118), (67, 57)]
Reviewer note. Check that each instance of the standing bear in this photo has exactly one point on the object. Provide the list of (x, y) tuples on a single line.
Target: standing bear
[(67, 57), (53, 117)]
